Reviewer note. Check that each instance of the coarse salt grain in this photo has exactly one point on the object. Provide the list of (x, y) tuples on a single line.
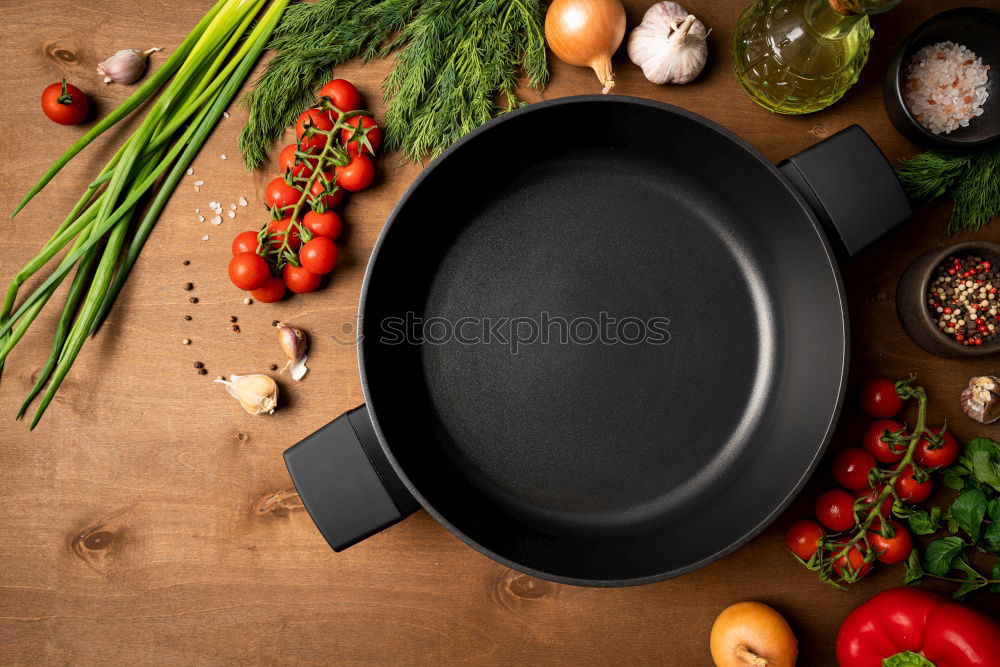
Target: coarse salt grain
[(223, 157), (232, 207), (232, 214), (945, 86), (205, 237), (225, 114), (201, 218), (190, 171), (217, 220), (199, 183), (243, 201)]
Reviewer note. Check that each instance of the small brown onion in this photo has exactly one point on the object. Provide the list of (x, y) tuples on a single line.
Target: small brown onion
[(586, 33), (751, 633)]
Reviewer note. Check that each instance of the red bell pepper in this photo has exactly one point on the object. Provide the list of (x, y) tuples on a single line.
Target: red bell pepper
[(945, 632)]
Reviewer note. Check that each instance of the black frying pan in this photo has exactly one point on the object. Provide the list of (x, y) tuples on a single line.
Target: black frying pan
[(615, 459)]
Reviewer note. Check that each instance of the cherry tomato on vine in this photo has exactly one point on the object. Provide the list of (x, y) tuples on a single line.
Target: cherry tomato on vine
[(357, 174), (879, 399), (891, 550), (374, 135), (327, 224), (329, 201), (286, 161), (248, 270), (855, 558), (881, 450), (317, 118), (850, 467), (870, 494), (942, 456), (835, 510), (272, 290), (281, 195), (802, 538), (64, 103), (276, 234), (343, 94), (910, 490), (245, 242), (300, 280), (319, 255)]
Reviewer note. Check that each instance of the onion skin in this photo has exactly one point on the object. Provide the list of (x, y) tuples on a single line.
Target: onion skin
[(751, 633), (586, 33)]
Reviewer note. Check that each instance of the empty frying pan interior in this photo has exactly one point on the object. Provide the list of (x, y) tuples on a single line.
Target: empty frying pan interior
[(620, 458)]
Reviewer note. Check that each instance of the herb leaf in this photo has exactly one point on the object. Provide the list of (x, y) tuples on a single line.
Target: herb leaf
[(924, 523), (995, 576), (914, 572), (906, 659), (969, 509), (940, 553)]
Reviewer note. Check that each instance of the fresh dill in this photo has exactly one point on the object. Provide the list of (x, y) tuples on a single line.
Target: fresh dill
[(457, 64), (970, 178)]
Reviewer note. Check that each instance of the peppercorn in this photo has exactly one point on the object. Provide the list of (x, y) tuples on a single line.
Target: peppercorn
[(188, 286)]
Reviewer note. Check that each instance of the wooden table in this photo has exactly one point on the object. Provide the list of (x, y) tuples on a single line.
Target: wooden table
[(147, 519)]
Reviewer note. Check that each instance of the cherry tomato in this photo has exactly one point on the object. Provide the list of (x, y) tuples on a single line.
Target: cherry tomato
[(941, 457), (329, 201), (272, 290), (357, 174), (319, 255), (320, 120), (891, 550), (300, 280), (373, 135), (343, 94), (245, 242), (286, 161), (276, 233), (851, 466), (281, 195), (910, 490), (64, 103), (803, 538), (835, 510), (879, 399), (248, 270), (326, 224), (870, 494), (880, 449), (855, 558)]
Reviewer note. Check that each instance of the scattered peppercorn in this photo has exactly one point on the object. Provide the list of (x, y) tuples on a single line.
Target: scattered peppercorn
[(202, 371), (273, 367), (188, 286), (235, 328), (962, 297), (248, 301), (275, 323), (187, 317), (193, 299), (232, 318), (198, 364), (185, 262), (186, 341)]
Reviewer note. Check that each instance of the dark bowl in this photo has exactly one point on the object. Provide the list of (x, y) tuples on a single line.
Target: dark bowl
[(911, 304), (979, 30)]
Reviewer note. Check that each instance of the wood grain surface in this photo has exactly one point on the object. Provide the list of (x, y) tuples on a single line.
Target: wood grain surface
[(148, 520)]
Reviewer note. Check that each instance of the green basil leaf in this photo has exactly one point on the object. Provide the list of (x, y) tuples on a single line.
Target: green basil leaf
[(924, 523), (906, 659), (940, 553), (993, 509), (967, 587), (995, 576), (969, 509), (953, 481), (913, 571), (972, 448), (991, 537), (986, 468)]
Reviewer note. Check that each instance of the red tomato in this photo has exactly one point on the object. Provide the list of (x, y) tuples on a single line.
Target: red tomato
[(851, 466), (245, 242), (910, 490), (871, 494), (300, 280), (281, 195), (354, 139), (276, 233), (286, 161), (316, 118), (326, 224), (343, 94), (855, 559), (357, 174), (803, 538), (319, 255), (944, 453), (272, 290), (880, 449), (891, 550), (835, 510), (879, 399), (329, 201), (248, 270), (65, 103)]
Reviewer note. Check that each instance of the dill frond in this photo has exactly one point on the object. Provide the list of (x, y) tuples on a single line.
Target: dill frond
[(971, 178)]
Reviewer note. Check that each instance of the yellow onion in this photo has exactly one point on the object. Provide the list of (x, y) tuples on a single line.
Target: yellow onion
[(751, 633), (586, 33)]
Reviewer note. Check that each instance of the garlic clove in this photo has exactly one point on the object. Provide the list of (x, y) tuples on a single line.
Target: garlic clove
[(981, 399), (298, 367), (294, 343), (258, 394), (125, 66)]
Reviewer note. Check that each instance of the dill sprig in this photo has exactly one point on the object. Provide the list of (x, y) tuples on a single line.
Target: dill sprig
[(457, 65), (971, 179)]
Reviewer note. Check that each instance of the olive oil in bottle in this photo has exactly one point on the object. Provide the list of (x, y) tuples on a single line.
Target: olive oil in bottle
[(800, 56)]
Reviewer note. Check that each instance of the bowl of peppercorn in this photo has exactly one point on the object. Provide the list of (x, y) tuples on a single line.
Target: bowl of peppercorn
[(947, 300)]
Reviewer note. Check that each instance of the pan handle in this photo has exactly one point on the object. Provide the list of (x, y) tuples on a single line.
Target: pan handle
[(345, 481), (851, 187)]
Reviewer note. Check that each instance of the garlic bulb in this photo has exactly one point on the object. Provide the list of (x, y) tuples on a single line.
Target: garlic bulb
[(980, 400), (126, 66), (669, 45), (294, 342), (258, 394)]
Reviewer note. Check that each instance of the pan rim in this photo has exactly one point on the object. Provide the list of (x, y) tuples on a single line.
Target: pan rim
[(831, 261)]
